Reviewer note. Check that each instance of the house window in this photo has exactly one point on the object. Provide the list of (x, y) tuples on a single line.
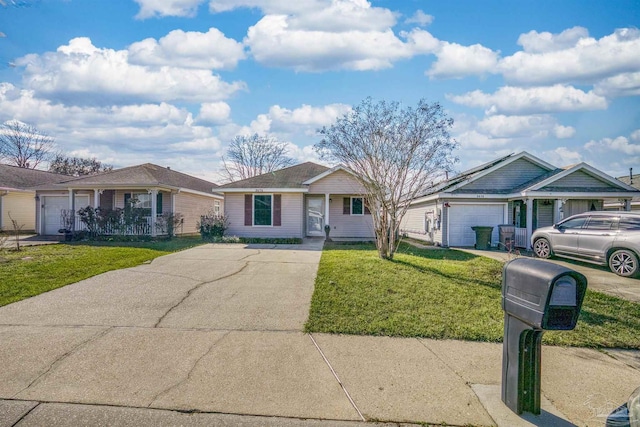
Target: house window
[(262, 209), (142, 201), (216, 207), (357, 206)]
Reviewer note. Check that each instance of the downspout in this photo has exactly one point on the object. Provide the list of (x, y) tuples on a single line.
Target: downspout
[(2, 194)]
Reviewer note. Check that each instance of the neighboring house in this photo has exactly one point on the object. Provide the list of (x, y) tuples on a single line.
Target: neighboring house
[(634, 204), (298, 201), (518, 189), (153, 189), (18, 196)]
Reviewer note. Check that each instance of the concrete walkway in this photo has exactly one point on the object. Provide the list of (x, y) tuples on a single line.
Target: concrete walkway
[(213, 336)]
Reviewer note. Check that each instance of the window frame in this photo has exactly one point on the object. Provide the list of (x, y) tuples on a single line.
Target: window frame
[(216, 207), (361, 206), (253, 209)]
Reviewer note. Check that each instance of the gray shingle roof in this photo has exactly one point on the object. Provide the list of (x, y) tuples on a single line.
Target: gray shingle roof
[(146, 174), (22, 178), (291, 177)]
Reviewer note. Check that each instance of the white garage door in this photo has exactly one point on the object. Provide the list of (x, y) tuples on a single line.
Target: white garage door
[(463, 217), (51, 215), (52, 212)]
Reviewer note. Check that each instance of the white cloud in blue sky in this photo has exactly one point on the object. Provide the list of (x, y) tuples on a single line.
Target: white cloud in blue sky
[(173, 81)]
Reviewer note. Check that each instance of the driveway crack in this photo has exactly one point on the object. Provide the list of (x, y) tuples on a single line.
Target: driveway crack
[(195, 288), (193, 368), (61, 358)]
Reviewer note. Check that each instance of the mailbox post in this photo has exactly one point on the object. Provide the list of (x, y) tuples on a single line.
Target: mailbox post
[(537, 296)]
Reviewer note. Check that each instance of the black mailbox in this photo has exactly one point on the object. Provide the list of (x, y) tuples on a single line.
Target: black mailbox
[(544, 295), (536, 296)]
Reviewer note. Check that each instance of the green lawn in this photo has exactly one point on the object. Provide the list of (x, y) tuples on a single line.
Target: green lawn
[(39, 269), (442, 294)]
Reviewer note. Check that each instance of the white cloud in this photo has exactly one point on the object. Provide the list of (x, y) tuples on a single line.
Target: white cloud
[(420, 18), (620, 144), (214, 113), (161, 8), (210, 50), (635, 135), (563, 156), (572, 56), (563, 132), (273, 43), (457, 61), (536, 42), (286, 7), (545, 99), (499, 126), (308, 115), (626, 84), (474, 140), (80, 73)]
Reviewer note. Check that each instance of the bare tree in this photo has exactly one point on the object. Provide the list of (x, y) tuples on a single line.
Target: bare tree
[(248, 156), (77, 166), (395, 153), (23, 145)]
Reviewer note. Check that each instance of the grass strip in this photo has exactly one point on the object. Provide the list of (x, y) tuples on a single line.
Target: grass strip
[(38, 269), (442, 294)]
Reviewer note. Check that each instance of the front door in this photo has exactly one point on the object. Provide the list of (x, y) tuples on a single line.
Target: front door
[(315, 216)]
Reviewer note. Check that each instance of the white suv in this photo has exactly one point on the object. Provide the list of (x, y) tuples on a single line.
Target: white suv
[(604, 238)]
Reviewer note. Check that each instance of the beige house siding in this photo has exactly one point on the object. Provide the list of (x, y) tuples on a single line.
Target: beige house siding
[(292, 214), (342, 225), (413, 223), (22, 207), (339, 182), (191, 206)]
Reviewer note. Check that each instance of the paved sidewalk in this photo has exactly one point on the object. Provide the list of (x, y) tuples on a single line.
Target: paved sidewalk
[(213, 336)]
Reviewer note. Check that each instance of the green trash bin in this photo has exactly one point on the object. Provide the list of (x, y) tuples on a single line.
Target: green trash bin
[(483, 237)]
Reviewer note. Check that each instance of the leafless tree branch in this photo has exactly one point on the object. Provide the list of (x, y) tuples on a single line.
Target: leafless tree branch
[(395, 152), (23, 145), (248, 156)]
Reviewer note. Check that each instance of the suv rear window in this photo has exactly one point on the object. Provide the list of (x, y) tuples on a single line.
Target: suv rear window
[(629, 223)]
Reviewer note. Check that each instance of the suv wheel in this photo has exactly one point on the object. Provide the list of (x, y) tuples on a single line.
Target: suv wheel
[(542, 248), (624, 263)]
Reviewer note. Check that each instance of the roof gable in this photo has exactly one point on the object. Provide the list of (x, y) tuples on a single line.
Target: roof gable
[(146, 174), (23, 178), (470, 180), (583, 177), (293, 177)]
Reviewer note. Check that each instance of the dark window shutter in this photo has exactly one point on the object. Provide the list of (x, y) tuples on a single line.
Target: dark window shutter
[(277, 210), (159, 204), (248, 209), (127, 198), (346, 206)]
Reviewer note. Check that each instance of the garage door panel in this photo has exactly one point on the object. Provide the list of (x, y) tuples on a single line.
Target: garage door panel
[(463, 217)]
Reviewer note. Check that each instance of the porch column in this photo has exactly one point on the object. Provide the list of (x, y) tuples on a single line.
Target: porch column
[(529, 221), (557, 213), (326, 209), (154, 211), (72, 209), (96, 198)]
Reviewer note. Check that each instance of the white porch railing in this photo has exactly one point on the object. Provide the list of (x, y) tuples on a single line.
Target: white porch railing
[(521, 237), (143, 228)]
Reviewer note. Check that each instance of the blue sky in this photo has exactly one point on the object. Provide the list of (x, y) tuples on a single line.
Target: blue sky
[(173, 81)]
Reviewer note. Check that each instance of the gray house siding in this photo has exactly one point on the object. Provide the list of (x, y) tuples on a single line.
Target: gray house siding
[(578, 180), (413, 224), (507, 177), (291, 217)]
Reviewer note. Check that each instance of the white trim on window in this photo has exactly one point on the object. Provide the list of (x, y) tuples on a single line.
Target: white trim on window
[(253, 210)]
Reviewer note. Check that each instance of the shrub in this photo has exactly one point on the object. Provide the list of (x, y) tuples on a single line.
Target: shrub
[(212, 225)]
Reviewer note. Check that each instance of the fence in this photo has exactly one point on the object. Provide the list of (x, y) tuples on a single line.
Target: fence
[(522, 237), (117, 227)]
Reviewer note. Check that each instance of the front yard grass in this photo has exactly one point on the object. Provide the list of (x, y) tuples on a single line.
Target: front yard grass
[(38, 269), (443, 294)]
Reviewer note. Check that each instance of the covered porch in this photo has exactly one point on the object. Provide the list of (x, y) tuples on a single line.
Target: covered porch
[(346, 215)]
